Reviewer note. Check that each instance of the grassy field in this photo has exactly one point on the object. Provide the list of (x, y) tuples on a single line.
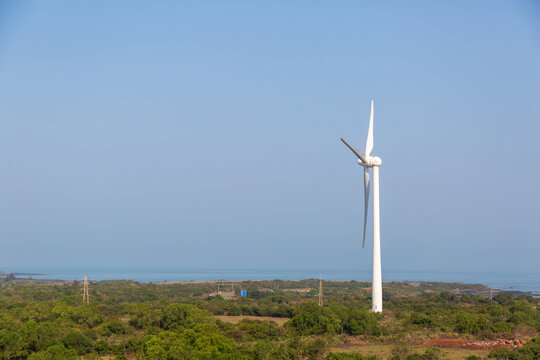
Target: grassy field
[(236, 319), (384, 351)]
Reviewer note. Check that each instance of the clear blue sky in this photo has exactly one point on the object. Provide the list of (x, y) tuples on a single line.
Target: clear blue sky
[(206, 134)]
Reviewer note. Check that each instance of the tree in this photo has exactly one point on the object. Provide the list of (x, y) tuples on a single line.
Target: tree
[(312, 319), (179, 316), (53, 353)]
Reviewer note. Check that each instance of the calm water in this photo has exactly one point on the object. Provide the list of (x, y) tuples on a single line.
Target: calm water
[(504, 281)]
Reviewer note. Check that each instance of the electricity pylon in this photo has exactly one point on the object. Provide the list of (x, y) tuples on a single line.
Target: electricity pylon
[(320, 291), (85, 296)]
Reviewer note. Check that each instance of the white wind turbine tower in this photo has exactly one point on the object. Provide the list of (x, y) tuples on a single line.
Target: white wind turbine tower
[(368, 161)]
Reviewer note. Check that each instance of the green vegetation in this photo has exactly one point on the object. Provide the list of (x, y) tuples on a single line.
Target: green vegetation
[(529, 351), (130, 320)]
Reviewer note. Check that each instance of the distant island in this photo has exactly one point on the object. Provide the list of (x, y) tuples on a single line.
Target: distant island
[(7, 273)]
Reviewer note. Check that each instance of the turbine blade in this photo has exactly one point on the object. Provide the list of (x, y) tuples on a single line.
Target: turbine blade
[(357, 152), (369, 142), (366, 197)]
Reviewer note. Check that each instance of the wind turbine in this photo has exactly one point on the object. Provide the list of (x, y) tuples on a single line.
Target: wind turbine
[(368, 161)]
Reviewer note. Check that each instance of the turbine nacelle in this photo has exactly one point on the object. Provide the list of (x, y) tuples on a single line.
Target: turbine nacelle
[(371, 161), (375, 161)]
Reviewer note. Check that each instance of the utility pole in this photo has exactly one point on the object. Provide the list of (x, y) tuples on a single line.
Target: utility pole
[(320, 291), (85, 296)]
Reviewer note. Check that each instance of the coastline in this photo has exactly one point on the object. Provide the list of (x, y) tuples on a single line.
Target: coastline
[(458, 288), (519, 283)]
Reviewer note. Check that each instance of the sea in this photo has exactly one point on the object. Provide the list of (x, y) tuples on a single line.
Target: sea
[(523, 282)]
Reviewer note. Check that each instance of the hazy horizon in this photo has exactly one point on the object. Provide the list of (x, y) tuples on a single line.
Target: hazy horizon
[(185, 135)]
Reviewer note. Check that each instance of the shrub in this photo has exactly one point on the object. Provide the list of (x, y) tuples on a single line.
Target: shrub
[(400, 352), (54, 352), (178, 316), (256, 329), (312, 319), (112, 327), (77, 341), (316, 349)]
